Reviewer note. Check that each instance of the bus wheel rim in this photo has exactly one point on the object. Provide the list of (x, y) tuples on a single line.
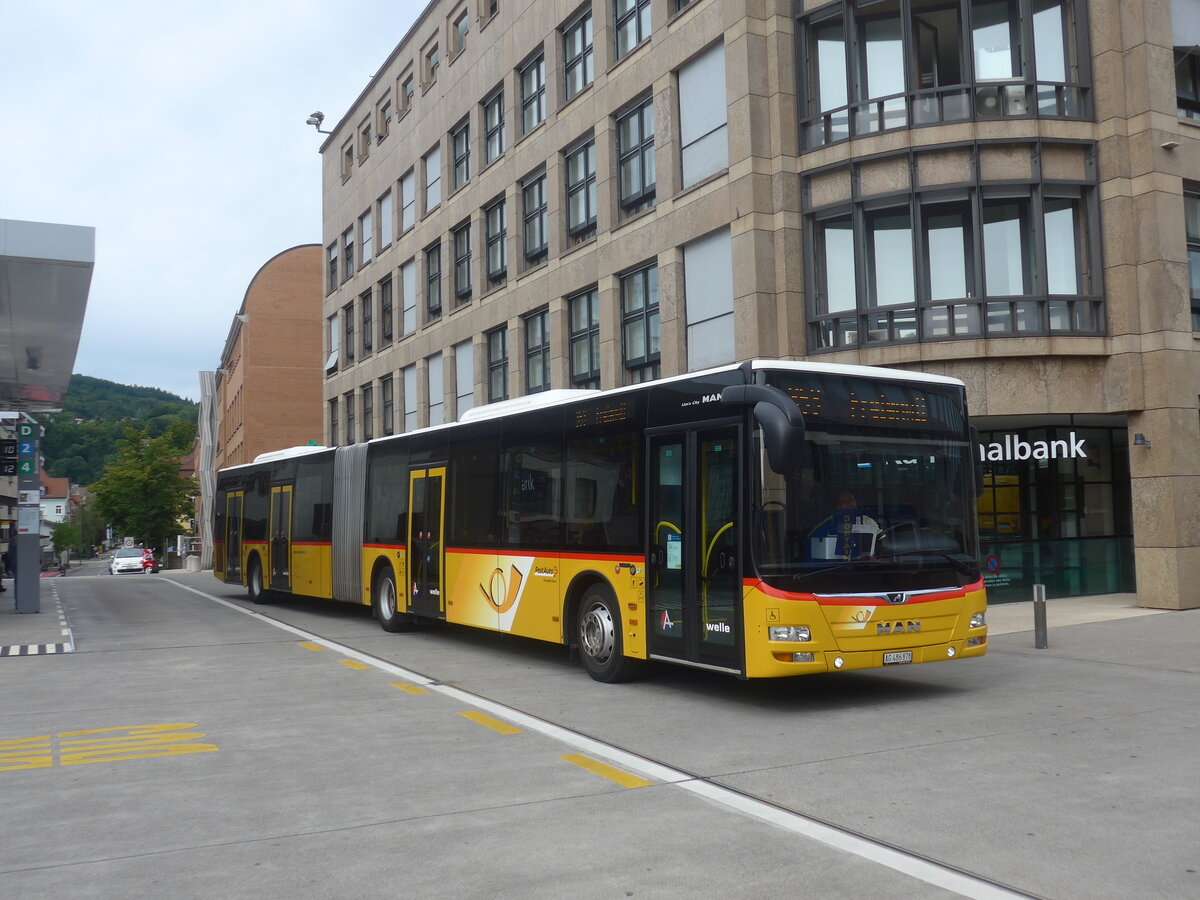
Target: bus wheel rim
[(598, 633), (387, 598)]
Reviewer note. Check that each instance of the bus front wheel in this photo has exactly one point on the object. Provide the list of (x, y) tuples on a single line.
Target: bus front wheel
[(386, 606), (599, 632)]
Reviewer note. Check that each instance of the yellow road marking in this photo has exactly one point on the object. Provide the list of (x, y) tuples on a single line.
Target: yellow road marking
[(606, 771), (353, 664), (309, 645), (409, 688), (77, 748), (488, 722)]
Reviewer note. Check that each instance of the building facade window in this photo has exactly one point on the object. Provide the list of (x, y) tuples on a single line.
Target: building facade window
[(1187, 83), (578, 65), (333, 422), (1191, 207), (899, 63), (348, 318), (581, 191), (386, 313), (348, 410), (708, 300), (433, 178), (632, 24), (408, 201), (384, 119), (409, 378), (406, 95), (703, 116), (497, 362), (460, 140), (533, 194), (493, 127), (639, 325), (387, 399), (537, 352), (367, 319), (583, 314), (533, 93), (935, 265), (433, 376), (333, 332), (433, 281), (408, 298), (331, 268), (635, 158), (386, 220), (458, 31), (496, 230), (366, 396), (433, 61), (462, 263), (464, 377), (347, 253)]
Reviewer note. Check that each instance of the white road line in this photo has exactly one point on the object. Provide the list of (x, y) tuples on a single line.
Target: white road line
[(925, 870)]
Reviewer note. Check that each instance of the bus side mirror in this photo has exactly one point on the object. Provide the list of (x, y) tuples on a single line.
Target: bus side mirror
[(975, 455), (781, 420)]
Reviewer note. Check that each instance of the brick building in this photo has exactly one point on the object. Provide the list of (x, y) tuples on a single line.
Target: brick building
[(560, 194)]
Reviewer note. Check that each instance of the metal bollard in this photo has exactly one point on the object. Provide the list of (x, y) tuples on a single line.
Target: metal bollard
[(1040, 639)]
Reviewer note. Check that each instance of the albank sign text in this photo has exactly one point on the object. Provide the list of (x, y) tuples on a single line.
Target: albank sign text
[(1014, 448)]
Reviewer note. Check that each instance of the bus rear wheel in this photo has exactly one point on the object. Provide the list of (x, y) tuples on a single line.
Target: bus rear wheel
[(599, 634), (386, 605), (254, 583)]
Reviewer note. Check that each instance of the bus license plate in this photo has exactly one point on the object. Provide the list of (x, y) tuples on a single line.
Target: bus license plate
[(897, 658)]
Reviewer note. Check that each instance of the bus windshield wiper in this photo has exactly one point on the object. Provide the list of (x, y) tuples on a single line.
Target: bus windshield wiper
[(959, 566), (801, 576)]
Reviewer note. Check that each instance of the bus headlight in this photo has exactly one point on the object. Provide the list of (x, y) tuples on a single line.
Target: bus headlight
[(978, 620), (789, 633)]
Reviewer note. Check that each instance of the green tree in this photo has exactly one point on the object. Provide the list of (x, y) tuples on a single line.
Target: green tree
[(141, 492), (64, 535)]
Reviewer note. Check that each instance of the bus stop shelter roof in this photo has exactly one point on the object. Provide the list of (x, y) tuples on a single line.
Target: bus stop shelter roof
[(45, 275)]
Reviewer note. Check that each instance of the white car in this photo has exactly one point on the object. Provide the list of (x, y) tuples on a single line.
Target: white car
[(127, 559)]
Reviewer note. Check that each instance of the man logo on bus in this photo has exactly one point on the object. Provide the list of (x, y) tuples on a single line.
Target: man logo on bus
[(667, 624)]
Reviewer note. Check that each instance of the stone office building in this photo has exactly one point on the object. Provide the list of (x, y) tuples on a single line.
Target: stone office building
[(547, 193)]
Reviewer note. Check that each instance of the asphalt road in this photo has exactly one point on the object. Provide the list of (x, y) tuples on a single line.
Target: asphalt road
[(193, 747)]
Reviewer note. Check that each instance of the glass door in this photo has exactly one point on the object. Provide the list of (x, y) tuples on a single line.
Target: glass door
[(233, 537), (281, 538), (694, 577), (426, 519)]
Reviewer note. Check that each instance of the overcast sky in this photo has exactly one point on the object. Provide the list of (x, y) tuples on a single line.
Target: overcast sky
[(177, 131)]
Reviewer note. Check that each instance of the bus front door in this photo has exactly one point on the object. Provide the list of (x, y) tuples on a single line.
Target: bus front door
[(233, 537), (281, 538), (693, 583), (426, 518)]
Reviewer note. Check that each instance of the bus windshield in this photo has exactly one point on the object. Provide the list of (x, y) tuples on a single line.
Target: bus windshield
[(881, 500)]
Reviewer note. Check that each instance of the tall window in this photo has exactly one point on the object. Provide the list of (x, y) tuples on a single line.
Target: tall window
[(464, 377), (331, 267), (635, 158), (333, 421), (460, 138), (347, 253), (533, 194), (348, 408), (366, 317), (1191, 207), (334, 339), (459, 31), (366, 232), (581, 191), (387, 397), (537, 352), (462, 263), (632, 21), (367, 396), (409, 377), (493, 127), (578, 67), (386, 220), (495, 220), (348, 331), (408, 297), (433, 61), (1187, 83), (406, 95), (708, 300), (533, 93), (497, 360), (583, 311), (703, 116), (433, 281), (437, 402), (639, 324), (433, 178), (386, 316), (408, 197)]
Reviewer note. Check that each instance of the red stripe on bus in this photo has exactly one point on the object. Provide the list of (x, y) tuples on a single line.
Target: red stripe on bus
[(547, 554), (383, 546)]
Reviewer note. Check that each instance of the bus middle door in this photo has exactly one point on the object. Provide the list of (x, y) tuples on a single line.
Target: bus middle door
[(233, 537), (693, 584), (426, 553), (281, 538)]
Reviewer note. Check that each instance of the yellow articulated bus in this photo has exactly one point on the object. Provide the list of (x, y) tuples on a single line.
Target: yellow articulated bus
[(765, 519)]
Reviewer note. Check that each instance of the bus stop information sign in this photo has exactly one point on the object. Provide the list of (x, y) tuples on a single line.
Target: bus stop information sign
[(29, 519)]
